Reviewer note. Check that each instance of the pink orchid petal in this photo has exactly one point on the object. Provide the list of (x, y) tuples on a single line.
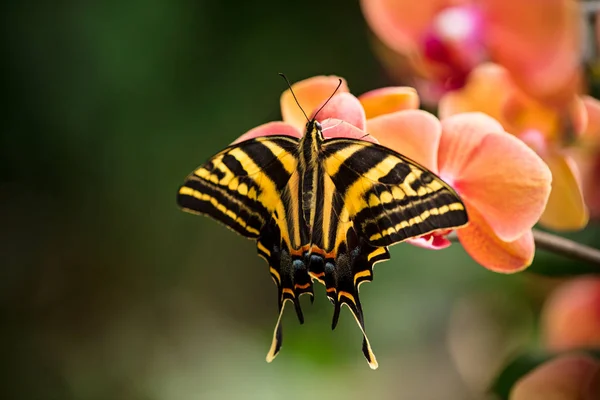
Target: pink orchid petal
[(343, 106), (431, 241), (480, 93), (413, 133), (388, 100), (335, 128), (401, 24), (480, 242), (570, 318), (567, 377), (270, 129), (566, 210), (541, 53), (461, 137), (591, 185), (311, 93), (507, 182)]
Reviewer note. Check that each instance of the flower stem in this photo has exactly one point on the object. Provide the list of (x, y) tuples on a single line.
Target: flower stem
[(565, 247)]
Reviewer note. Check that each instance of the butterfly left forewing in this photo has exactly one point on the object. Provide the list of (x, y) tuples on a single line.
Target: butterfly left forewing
[(389, 197), (241, 186)]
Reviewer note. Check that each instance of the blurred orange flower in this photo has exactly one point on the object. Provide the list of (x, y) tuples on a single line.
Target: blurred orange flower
[(536, 40), (571, 315), (568, 377), (503, 183), (492, 90)]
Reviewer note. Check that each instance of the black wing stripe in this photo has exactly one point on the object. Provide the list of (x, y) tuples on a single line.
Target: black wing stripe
[(234, 165), (199, 197), (389, 197), (358, 163), (276, 171)]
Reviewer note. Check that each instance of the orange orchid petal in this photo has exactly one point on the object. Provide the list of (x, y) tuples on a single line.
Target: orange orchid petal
[(343, 106), (311, 93), (567, 377), (462, 135), (270, 129), (481, 93), (480, 242), (413, 133), (592, 107), (538, 42), (400, 24), (335, 128), (507, 182), (566, 210), (388, 100), (523, 114)]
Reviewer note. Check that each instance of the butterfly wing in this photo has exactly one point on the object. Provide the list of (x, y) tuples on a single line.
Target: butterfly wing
[(241, 186), (379, 198), (389, 197)]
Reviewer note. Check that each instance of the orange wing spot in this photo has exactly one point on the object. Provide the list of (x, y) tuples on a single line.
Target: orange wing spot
[(289, 291), (332, 254), (361, 274), (302, 287), (304, 249), (330, 290), (346, 295), (318, 277), (319, 251), (297, 253)]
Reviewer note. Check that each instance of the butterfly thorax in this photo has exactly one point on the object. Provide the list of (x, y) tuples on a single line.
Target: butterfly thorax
[(309, 172)]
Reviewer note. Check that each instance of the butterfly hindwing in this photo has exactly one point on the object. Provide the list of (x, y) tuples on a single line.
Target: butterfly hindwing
[(389, 197), (241, 186)]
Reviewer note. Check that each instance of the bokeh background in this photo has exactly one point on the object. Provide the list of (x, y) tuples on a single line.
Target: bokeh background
[(109, 291)]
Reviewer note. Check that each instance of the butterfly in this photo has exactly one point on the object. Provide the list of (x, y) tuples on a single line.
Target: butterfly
[(321, 209)]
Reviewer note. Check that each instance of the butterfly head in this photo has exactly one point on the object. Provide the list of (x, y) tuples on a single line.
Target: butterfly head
[(315, 129)]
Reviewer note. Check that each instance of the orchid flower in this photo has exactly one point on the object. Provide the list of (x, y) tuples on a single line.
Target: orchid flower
[(492, 90), (503, 183), (537, 41)]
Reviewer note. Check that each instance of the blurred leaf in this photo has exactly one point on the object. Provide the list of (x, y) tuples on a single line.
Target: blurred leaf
[(557, 268)]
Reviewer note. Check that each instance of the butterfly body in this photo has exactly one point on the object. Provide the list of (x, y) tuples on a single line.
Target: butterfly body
[(321, 209)]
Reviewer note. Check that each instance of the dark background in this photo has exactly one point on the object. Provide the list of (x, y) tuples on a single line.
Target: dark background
[(108, 291)]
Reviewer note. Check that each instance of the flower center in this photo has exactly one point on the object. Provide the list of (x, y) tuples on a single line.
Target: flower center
[(457, 24), (449, 179), (455, 41)]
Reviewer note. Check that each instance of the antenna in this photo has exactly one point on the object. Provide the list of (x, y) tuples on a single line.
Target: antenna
[(297, 102), (292, 91), (332, 94)]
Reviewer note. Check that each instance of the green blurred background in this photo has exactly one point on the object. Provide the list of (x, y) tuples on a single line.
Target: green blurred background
[(109, 291)]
